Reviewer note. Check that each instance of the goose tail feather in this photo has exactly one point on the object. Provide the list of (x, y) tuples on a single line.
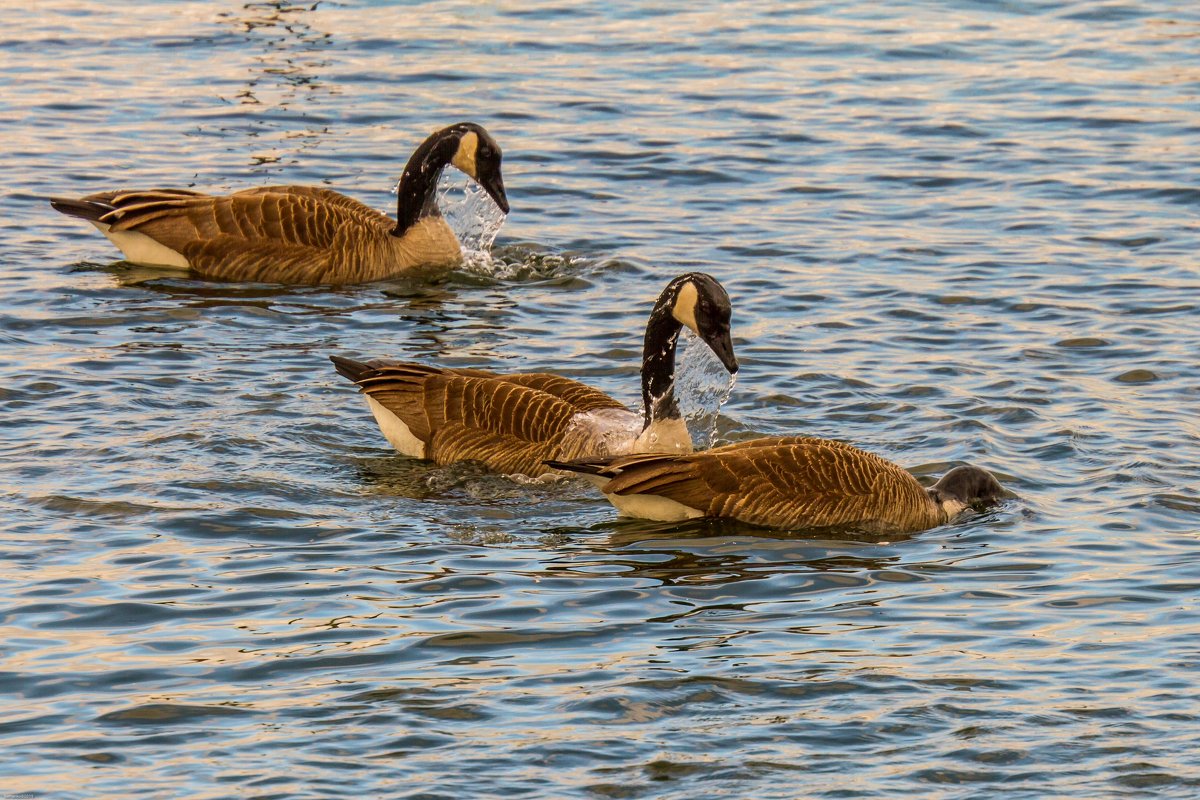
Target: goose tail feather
[(84, 209), (582, 466), (350, 369)]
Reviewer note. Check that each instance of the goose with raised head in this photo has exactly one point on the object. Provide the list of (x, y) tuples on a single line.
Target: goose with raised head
[(788, 482), (513, 423), (298, 234)]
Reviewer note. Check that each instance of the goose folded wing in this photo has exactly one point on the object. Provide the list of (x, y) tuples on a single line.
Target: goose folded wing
[(792, 482), (499, 451), (300, 219), (509, 427), (323, 197), (235, 259), (579, 395), (497, 406)]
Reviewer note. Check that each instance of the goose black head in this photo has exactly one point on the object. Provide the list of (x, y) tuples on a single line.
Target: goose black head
[(468, 147), (698, 301), (966, 486), (478, 156)]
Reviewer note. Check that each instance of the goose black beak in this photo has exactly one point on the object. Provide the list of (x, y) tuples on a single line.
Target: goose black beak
[(722, 344), (493, 184)]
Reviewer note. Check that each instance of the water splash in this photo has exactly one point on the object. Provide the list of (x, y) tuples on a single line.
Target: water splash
[(702, 386), (524, 262), (475, 219), (607, 431)]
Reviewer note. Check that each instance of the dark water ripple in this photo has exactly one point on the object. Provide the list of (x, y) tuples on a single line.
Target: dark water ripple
[(957, 234)]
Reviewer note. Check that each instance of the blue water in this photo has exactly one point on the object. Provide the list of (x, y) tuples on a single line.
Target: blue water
[(952, 232)]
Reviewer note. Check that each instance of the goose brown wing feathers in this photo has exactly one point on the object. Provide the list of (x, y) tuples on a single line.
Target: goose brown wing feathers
[(285, 234), (298, 218), (235, 259), (499, 451), (512, 423), (791, 482), (327, 197), (580, 395), (513, 427)]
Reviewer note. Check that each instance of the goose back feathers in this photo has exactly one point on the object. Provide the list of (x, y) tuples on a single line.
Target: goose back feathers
[(514, 423), (786, 482), (511, 423), (298, 234)]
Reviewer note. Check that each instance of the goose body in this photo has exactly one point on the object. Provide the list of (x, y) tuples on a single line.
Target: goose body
[(298, 234), (514, 423), (785, 482)]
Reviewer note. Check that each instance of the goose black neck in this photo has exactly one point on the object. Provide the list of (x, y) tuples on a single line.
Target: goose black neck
[(416, 194), (658, 366)]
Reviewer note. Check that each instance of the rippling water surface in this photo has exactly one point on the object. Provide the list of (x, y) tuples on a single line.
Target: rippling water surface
[(952, 232)]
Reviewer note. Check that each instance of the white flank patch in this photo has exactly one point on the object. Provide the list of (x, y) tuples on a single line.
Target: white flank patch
[(684, 309), (395, 431), (650, 506), (464, 156), (140, 249)]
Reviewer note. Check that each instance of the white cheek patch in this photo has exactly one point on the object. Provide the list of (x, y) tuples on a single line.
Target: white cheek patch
[(464, 156), (684, 309)]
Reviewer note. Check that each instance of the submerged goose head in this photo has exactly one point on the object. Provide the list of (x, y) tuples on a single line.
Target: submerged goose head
[(963, 487), (698, 301), (466, 146)]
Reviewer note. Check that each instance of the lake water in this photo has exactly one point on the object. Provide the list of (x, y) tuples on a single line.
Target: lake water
[(952, 232)]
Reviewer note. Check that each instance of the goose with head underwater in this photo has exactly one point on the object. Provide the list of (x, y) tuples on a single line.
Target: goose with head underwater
[(514, 423), (299, 234), (788, 482)]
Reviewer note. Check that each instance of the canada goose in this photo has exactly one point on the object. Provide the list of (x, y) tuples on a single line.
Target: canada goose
[(785, 482), (298, 234), (514, 423)]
